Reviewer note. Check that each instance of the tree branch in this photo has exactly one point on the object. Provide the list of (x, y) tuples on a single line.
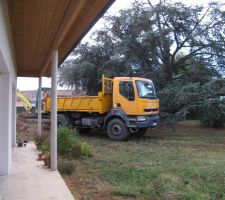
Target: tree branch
[(149, 2), (188, 56)]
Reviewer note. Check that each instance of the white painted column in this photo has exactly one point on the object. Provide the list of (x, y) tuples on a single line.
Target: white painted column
[(14, 115), (39, 106), (5, 124), (54, 110)]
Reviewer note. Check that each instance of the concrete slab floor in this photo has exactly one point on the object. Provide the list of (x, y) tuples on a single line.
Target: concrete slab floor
[(30, 180)]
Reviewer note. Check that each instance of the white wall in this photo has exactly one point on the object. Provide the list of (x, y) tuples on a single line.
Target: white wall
[(7, 90), (6, 43)]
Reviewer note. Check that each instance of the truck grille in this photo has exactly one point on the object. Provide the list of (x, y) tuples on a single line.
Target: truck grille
[(151, 110)]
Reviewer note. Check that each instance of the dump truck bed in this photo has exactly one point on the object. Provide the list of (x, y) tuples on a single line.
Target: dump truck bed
[(91, 104)]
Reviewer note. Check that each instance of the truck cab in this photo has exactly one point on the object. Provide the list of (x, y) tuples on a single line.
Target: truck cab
[(134, 103)]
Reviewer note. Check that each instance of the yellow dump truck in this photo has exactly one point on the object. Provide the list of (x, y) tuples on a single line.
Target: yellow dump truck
[(124, 106)]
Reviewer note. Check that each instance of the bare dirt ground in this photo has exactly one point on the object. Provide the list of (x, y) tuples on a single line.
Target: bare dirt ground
[(27, 126)]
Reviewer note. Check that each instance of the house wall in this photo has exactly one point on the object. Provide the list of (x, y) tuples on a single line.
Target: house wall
[(7, 91)]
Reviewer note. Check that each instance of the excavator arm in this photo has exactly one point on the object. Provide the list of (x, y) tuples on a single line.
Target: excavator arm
[(24, 100)]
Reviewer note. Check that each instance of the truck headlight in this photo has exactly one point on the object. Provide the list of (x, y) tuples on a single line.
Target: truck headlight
[(141, 118)]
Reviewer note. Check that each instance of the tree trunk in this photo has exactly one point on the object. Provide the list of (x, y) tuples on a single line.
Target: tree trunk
[(168, 71)]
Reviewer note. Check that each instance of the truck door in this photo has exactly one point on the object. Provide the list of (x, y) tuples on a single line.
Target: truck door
[(124, 97)]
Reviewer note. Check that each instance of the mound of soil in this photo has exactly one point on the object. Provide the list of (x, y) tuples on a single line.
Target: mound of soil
[(27, 126)]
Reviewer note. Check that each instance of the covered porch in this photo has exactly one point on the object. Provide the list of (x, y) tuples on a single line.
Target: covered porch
[(35, 38), (29, 179)]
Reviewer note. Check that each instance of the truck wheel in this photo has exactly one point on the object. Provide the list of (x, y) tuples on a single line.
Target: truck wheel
[(62, 120), (117, 130), (141, 132)]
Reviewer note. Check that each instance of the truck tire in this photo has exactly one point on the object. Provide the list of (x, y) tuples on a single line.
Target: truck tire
[(62, 120), (117, 130), (141, 132)]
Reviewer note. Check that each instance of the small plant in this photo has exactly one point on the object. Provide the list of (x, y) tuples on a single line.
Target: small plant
[(45, 147), (85, 149), (75, 151), (66, 168), (47, 160), (67, 139), (39, 139)]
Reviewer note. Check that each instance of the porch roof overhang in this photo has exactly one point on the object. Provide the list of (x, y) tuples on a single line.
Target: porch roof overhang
[(38, 27)]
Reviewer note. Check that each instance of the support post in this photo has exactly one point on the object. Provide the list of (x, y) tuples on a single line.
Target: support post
[(54, 110), (39, 105), (5, 124), (14, 89)]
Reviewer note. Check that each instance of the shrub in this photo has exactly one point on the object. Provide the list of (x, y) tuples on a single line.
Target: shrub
[(85, 149), (195, 100), (67, 139), (45, 147), (213, 113), (39, 139), (66, 168)]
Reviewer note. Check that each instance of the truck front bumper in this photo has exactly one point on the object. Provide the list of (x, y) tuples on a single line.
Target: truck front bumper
[(143, 121), (148, 121)]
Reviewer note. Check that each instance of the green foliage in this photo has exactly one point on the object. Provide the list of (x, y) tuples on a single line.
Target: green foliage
[(131, 181), (149, 41), (85, 149), (41, 141), (66, 168), (69, 143), (67, 139), (177, 95), (213, 113), (194, 100), (45, 147), (82, 149)]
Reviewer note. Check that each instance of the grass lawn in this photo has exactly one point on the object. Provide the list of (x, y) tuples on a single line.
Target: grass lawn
[(187, 164)]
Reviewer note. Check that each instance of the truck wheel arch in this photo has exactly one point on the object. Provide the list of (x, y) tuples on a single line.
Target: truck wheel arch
[(115, 113)]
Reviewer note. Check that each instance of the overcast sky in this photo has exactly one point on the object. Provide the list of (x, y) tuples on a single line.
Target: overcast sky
[(32, 83)]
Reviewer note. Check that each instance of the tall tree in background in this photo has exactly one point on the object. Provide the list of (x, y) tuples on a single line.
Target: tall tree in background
[(181, 48), (148, 40), (196, 31)]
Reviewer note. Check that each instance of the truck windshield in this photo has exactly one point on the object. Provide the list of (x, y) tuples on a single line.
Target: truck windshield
[(145, 89)]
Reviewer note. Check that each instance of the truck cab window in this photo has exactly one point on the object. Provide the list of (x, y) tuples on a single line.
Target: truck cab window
[(145, 89), (126, 89)]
